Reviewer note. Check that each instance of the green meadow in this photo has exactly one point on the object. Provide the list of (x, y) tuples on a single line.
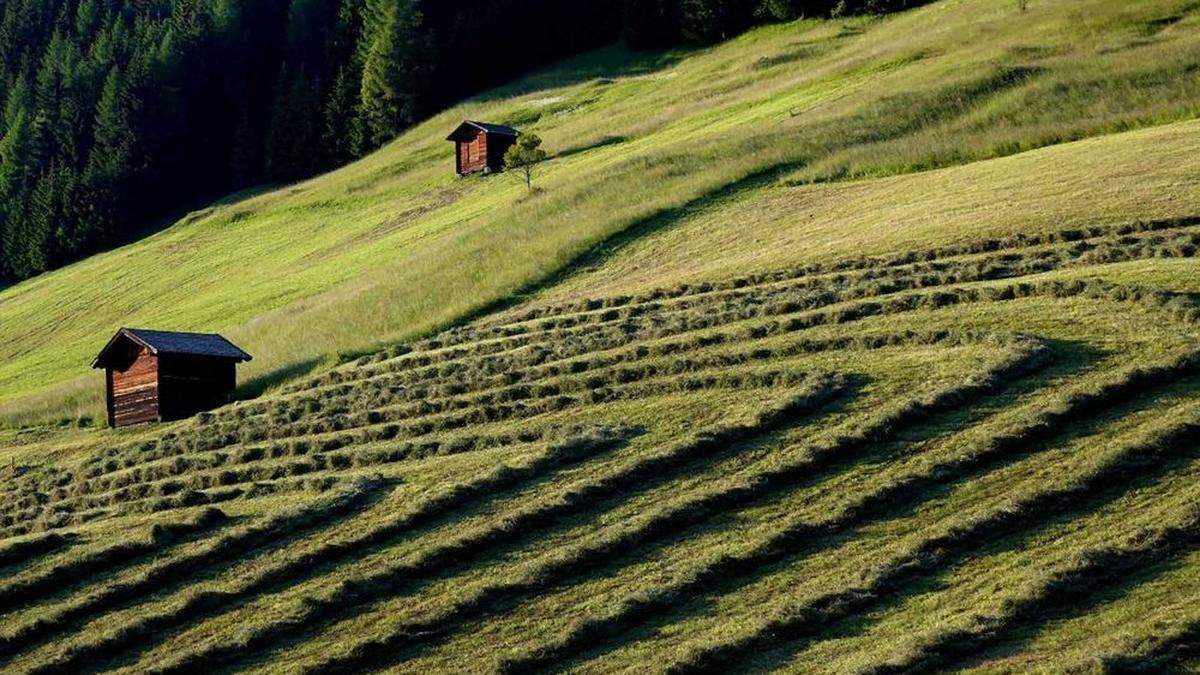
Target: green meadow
[(803, 140), (846, 346)]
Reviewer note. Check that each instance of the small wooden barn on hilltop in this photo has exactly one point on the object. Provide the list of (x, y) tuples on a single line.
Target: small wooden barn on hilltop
[(480, 146), (155, 376)]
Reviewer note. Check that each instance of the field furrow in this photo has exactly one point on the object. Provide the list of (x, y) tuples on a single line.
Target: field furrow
[(951, 461), (665, 519)]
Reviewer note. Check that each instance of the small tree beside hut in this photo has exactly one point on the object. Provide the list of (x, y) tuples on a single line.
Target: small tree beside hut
[(524, 157)]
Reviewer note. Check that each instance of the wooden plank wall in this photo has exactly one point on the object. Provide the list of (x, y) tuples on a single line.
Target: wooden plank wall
[(473, 153), (135, 391)]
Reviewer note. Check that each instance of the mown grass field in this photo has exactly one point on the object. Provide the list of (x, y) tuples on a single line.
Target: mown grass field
[(818, 136), (916, 391)]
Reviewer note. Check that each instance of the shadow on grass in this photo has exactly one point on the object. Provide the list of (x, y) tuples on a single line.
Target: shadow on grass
[(1070, 597), (259, 384), (612, 245), (132, 643), (602, 143), (1016, 640), (1073, 359), (289, 633), (611, 63), (1013, 534), (568, 515)]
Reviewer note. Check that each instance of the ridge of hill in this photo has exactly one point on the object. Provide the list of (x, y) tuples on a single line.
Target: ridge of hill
[(767, 428), (394, 247)]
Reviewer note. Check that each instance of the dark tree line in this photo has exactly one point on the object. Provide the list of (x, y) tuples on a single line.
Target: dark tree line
[(651, 24), (115, 113)]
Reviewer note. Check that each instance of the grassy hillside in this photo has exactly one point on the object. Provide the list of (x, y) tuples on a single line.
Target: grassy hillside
[(979, 455), (865, 347), (394, 247)]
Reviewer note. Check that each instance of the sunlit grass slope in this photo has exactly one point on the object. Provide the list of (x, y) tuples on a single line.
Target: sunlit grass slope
[(976, 455), (847, 347), (792, 143)]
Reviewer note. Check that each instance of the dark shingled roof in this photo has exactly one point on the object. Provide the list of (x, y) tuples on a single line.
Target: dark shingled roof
[(485, 126), (171, 342)]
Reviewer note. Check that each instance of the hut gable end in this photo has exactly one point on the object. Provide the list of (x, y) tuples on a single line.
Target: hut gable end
[(133, 390)]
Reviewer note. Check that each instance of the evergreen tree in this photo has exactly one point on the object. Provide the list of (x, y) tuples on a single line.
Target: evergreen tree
[(111, 162), (394, 73), (780, 10), (16, 148), (279, 136), (342, 136), (68, 232), (17, 102), (34, 251)]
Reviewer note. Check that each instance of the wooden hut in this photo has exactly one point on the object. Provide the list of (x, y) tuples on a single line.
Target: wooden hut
[(155, 376), (480, 146)]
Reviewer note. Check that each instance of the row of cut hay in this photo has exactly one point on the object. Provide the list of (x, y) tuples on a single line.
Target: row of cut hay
[(193, 605), (666, 519), (274, 470), (567, 343), (155, 466), (355, 457), (59, 517), (21, 553), (1162, 644), (180, 493), (1085, 474), (869, 284), (30, 486), (594, 341), (1005, 244), (1097, 289), (793, 535), (79, 563), (1018, 588), (172, 570), (1178, 306), (623, 367), (503, 527), (237, 412)]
